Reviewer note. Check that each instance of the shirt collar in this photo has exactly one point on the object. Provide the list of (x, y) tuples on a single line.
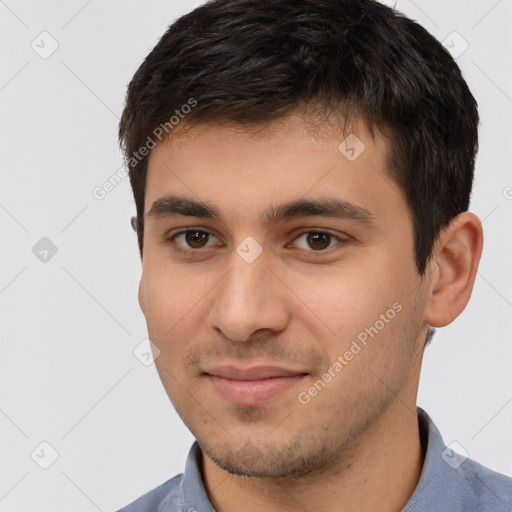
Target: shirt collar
[(440, 486)]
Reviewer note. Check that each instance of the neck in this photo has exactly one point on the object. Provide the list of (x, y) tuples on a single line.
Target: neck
[(379, 471)]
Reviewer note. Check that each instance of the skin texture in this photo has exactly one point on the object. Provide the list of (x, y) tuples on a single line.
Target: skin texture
[(355, 444)]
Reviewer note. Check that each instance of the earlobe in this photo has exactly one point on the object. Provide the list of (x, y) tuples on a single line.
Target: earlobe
[(133, 222), (453, 269)]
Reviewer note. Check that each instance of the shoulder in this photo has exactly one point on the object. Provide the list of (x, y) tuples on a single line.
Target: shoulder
[(183, 493), (453, 482), (164, 497), (486, 487)]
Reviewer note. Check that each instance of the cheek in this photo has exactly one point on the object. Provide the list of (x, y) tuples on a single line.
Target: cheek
[(170, 299), (361, 305), (346, 299)]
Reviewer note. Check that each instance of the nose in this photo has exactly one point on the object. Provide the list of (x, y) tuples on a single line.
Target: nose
[(249, 298)]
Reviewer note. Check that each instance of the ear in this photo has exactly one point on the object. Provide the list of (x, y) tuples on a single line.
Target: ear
[(133, 222), (452, 269), (140, 296)]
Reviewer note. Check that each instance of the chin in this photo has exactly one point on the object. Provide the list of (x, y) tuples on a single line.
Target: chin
[(268, 460)]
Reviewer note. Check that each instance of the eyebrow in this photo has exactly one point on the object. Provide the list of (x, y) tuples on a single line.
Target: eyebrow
[(170, 205)]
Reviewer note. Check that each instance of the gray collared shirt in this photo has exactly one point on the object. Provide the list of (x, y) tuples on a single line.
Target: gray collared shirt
[(449, 482)]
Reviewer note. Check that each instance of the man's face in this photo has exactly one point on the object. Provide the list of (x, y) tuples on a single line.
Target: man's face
[(333, 304)]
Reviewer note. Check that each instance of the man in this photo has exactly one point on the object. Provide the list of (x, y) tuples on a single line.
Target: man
[(302, 172)]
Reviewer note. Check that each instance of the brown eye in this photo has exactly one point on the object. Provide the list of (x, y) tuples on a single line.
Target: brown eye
[(196, 239), (318, 241), (191, 239)]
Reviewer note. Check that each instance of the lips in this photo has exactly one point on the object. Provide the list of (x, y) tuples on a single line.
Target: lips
[(252, 386), (255, 373)]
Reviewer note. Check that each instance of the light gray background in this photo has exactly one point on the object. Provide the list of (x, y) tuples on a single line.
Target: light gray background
[(69, 325)]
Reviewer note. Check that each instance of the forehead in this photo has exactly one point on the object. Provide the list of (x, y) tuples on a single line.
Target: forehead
[(250, 171)]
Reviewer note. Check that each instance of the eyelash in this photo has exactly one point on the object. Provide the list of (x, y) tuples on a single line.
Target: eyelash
[(341, 241)]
